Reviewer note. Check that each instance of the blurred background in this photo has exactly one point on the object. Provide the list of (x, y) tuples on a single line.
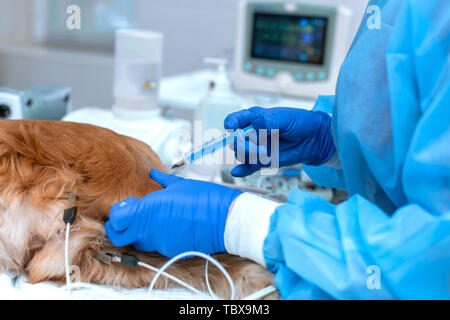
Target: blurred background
[(36, 47)]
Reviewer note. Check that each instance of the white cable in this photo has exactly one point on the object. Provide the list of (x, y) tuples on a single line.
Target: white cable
[(180, 282), (198, 254), (261, 293), (66, 260), (257, 295), (159, 272), (211, 292), (254, 296)]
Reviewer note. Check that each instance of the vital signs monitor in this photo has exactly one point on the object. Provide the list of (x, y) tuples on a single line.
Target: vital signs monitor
[(290, 48)]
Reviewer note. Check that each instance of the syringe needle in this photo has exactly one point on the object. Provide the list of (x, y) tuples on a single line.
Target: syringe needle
[(211, 147), (178, 164)]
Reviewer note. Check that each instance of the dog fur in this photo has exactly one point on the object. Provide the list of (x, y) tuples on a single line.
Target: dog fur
[(41, 162)]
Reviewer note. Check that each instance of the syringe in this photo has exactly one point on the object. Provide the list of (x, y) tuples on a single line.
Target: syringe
[(212, 146)]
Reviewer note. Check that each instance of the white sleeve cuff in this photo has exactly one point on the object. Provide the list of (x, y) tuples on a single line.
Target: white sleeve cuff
[(248, 225)]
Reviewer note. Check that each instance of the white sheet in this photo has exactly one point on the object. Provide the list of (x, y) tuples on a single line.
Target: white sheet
[(13, 287)]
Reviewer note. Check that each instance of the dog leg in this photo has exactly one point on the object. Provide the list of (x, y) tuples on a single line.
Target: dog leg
[(88, 236)]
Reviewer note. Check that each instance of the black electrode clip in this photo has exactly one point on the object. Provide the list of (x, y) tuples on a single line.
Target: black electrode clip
[(125, 259), (70, 214), (129, 260)]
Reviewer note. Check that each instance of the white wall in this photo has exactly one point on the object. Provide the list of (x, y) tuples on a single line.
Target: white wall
[(89, 75), (193, 29), (16, 20)]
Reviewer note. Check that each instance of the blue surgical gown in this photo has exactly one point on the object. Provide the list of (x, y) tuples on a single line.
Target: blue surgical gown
[(391, 127)]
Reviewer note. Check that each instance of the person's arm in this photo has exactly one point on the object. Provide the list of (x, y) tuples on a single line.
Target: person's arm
[(303, 137), (296, 136), (355, 250), (330, 174), (247, 226), (350, 251), (186, 215)]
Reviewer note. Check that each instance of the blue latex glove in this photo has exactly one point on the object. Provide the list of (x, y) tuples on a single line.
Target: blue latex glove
[(304, 136), (186, 215)]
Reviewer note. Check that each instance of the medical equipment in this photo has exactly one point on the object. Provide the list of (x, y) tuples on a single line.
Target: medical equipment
[(131, 261), (38, 102), (290, 48), (69, 216), (220, 99), (277, 186), (138, 57), (212, 146), (180, 95)]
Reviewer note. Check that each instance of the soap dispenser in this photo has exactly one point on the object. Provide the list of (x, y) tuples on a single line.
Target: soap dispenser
[(220, 99)]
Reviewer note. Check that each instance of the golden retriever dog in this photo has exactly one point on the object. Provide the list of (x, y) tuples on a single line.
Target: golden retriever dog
[(41, 163)]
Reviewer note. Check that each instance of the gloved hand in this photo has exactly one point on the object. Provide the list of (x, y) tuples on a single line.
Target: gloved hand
[(304, 136), (186, 215)]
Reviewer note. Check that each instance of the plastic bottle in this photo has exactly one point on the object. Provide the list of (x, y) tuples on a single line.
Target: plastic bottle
[(219, 101)]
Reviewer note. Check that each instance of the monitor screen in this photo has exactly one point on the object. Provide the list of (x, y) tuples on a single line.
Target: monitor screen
[(291, 38)]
